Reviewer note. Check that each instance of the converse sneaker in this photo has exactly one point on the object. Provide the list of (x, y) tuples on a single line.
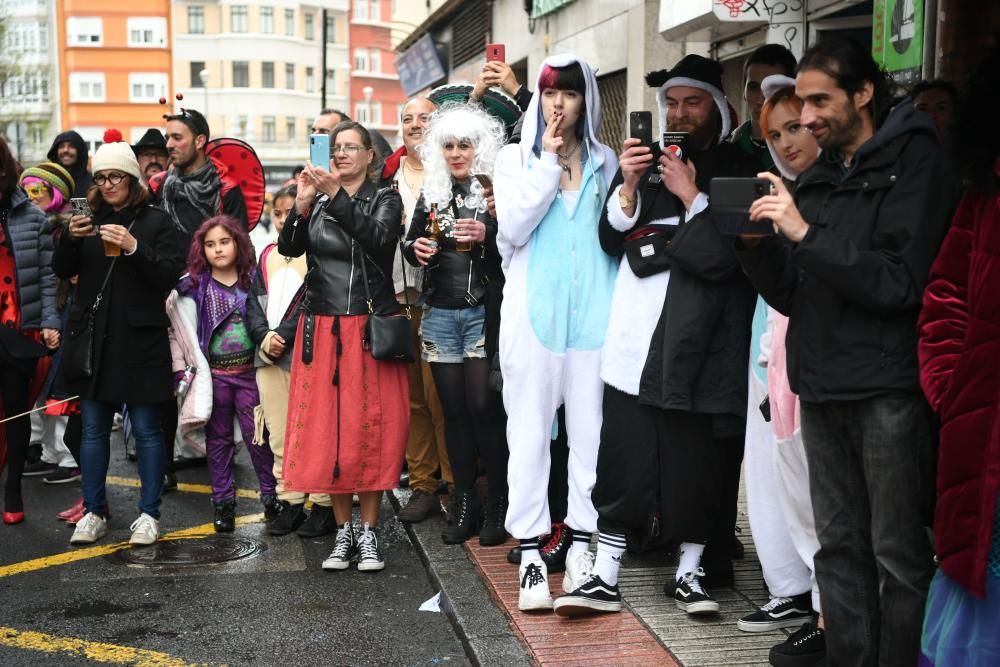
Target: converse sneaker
[(345, 549), (579, 567), (593, 595), (778, 613), (534, 594), (690, 597), (807, 646), (145, 530), (556, 547), (369, 554), (62, 475), (89, 529)]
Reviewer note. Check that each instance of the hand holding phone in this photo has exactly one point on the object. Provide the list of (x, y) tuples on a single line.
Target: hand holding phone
[(496, 53), (319, 150), (731, 200)]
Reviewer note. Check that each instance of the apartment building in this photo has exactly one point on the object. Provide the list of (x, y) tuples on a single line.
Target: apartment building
[(375, 93)]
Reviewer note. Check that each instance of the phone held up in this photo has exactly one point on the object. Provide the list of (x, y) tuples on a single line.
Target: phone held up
[(80, 206), (731, 199), (640, 126), (319, 150), (496, 53)]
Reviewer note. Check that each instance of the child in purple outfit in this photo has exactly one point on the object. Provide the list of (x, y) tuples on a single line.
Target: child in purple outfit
[(220, 269)]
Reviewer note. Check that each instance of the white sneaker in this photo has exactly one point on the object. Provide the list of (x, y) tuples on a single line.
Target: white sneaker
[(145, 530), (534, 594), (578, 570), (89, 529)]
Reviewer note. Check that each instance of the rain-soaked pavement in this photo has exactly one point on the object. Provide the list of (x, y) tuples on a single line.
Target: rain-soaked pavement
[(272, 605)]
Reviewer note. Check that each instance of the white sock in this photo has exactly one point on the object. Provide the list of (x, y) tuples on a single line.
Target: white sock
[(530, 552), (580, 542), (610, 547), (690, 559)]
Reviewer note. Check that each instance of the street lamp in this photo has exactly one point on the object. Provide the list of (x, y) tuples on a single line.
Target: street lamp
[(204, 75), (368, 91)]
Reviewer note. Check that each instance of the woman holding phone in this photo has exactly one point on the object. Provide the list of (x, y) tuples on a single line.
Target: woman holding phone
[(453, 236)]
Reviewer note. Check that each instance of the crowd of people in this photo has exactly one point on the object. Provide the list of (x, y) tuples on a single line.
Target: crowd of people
[(562, 335)]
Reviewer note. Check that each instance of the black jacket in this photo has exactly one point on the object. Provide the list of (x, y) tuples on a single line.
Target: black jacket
[(81, 177), (451, 273), (852, 288), (338, 233), (131, 350), (29, 237), (699, 354)]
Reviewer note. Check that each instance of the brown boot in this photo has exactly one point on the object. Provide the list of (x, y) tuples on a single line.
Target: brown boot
[(421, 506)]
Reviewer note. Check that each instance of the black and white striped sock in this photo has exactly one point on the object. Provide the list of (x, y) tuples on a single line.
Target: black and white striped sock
[(529, 551), (581, 542), (610, 547)]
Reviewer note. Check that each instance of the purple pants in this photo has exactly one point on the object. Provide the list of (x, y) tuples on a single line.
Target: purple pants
[(235, 395)]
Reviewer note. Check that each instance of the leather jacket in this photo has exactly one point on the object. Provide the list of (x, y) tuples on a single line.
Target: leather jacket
[(336, 235)]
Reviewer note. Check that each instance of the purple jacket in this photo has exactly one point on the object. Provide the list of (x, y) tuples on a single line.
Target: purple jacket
[(208, 322)]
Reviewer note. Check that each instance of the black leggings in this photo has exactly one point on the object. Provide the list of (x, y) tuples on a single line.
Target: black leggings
[(15, 378), (473, 423)]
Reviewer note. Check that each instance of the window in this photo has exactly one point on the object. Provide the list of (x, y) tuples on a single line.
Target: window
[(361, 60), (146, 87), (290, 22), (290, 129), (241, 74), (267, 128), (242, 122), (196, 20), (23, 37), (310, 29), (375, 60), (290, 76), (310, 80), (26, 88), (331, 28), (86, 87), (196, 67), (267, 20), (148, 32), (267, 75), (361, 10), (238, 18), (85, 31), (364, 114), (331, 81), (374, 10)]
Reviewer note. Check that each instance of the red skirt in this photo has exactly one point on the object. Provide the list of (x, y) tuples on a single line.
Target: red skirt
[(374, 422)]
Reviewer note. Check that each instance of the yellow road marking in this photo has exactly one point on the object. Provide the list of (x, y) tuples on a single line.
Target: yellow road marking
[(86, 553), (81, 648), (114, 480)]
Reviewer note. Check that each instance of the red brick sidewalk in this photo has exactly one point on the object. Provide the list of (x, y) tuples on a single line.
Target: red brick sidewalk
[(606, 639)]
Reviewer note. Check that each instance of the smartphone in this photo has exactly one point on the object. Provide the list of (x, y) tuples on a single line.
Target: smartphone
[(730, 201), (319, 150), (640, 126), (484, 181), (496, 53), (677, 143), (80, 206)]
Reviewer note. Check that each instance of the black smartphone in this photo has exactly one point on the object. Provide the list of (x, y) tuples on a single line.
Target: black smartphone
[(676, 143), (730, 199), (640, 126)]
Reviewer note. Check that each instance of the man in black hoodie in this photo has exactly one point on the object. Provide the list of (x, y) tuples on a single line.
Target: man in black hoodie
[(70, 150), (849, 267)]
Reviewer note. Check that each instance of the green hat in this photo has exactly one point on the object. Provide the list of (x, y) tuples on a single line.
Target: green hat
[(53, 174), (495, 102)]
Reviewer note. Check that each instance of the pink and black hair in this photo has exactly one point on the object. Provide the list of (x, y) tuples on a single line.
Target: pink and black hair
[(569, 77), (197, 264)]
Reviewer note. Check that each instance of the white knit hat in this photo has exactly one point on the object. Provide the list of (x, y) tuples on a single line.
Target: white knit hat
[(115, 154)]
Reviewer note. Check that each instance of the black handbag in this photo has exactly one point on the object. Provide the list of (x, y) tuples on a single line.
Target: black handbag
[(646, 249), (77, 362), (388, 337)]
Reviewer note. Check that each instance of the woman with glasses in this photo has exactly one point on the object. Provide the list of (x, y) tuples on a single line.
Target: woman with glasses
[(454, 237), (128, 256), (29, 322), (348, 228)]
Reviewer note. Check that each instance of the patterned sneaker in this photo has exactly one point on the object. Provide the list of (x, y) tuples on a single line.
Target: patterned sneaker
[(89, 529), (778, 613), (691, 597), (369, 554), (593, 595), (145, 530), (579, 568), (534, 594), (345, 549), (556, 547)]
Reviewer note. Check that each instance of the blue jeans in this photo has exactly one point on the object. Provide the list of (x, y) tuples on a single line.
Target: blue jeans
[(872, 485), (95, 453)]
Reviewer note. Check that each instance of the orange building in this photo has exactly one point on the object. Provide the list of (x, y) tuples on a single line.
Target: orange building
[(114, 66)]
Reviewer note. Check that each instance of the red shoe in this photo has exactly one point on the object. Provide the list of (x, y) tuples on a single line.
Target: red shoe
[(72, 511), (13, 518), (74, 519)]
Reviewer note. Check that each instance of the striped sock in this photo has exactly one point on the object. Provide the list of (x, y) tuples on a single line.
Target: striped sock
[(581, 542), (690, 558), (529, 551), (610, 547)]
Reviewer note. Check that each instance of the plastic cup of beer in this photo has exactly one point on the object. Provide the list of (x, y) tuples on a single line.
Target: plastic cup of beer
[(464, 244), (111, 249)]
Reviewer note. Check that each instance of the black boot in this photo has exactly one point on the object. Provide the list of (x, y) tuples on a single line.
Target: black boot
[(493, 531), (225, 516), (466, 521), (291, 517), (272, 507), (320, 522)]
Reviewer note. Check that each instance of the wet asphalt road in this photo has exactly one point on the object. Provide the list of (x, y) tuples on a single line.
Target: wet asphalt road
[(275, 608)]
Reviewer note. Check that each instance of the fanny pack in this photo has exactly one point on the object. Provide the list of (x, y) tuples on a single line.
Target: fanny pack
[(646, 249)]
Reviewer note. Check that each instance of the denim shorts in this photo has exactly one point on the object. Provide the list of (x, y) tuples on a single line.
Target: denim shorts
[(448, 336)]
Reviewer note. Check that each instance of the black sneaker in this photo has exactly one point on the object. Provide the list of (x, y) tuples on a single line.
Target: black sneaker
[(169, 482), (290, 518), (593, 595), (345, 549), (804, 648), (39, 468), (272, 507), (62, 476), (369, 553), (690, 597), (556, 547), (319, 523), (778, 613), (225, 516)]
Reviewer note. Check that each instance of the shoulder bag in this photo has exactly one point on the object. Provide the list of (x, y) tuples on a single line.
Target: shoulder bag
[(388, 337), (78, 354)]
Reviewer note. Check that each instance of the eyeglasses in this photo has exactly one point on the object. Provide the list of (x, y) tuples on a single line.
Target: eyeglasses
[(347, 149), (36, 189), (114, 178)]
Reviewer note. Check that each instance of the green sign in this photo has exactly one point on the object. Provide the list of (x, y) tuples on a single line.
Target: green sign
[(543, 7), (898, 38)]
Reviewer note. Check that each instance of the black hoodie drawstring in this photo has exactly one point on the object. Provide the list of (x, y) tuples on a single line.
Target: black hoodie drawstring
[(335, 330)]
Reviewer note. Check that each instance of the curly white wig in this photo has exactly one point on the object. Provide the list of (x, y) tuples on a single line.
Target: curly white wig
[(458, 122)]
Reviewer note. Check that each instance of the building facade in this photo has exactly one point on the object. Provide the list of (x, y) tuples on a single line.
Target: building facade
[(375, 93)]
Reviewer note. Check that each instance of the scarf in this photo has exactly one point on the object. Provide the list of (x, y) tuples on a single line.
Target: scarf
[(202, 189)]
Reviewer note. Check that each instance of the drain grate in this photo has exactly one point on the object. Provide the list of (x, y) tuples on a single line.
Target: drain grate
[(187, 552)]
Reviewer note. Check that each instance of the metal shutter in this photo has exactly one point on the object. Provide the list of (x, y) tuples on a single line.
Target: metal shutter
[(614, 109), (469, 29)]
